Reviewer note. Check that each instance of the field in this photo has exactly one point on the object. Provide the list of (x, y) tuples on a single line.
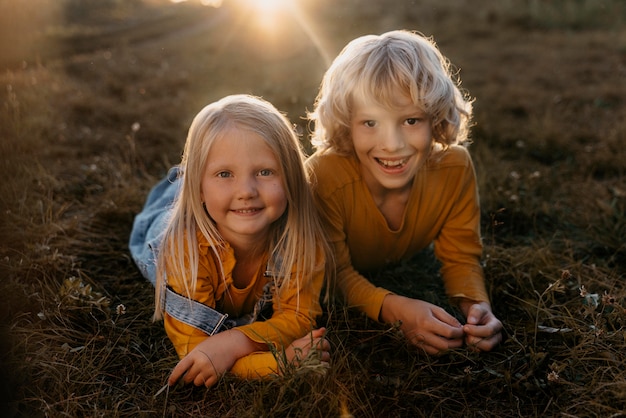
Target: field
[(96, 98)]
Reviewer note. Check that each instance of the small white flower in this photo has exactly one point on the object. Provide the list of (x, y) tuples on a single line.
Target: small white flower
[(553, 376)]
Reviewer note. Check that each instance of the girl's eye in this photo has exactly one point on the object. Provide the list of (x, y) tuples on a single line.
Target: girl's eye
[(265, 172), (223, 174), (412, 121)]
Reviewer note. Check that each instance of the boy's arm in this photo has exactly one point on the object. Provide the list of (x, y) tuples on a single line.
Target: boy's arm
[(459, 248), (358, 291), (458, 245)]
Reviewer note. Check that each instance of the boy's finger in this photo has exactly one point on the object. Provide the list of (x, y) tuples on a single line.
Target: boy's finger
[(481, 331), (446, 318)]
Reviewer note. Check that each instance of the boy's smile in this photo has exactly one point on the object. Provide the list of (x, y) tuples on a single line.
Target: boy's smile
[(392, 163), (391, 142)]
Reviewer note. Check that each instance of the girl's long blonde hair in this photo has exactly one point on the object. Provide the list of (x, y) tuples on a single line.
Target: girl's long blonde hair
[(377, 67), (296, 239)]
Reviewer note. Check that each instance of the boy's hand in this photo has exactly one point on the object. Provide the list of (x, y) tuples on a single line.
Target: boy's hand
[(425, 325), (482, 328)]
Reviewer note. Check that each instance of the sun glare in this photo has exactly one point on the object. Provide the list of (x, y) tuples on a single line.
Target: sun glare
[(268, 6), (269, 16), (212, 3), (268, 12)]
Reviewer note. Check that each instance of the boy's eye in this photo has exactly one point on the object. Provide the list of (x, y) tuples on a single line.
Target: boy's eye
[(265, 172), (370, 123), (412, 121)]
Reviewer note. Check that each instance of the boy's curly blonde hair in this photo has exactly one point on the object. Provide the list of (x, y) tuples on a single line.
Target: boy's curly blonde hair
[(376, 68)]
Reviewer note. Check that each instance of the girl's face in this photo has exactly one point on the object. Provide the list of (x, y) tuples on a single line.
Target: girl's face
[(390, 143), (242, 186)]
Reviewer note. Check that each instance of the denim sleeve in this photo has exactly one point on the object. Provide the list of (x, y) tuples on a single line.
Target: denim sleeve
[(193, 313), (149, 225)]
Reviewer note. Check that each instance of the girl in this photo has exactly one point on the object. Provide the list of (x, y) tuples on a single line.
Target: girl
[(391, 178), (238, 247)]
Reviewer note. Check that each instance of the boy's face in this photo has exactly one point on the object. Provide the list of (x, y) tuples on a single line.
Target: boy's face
[(391, 143)]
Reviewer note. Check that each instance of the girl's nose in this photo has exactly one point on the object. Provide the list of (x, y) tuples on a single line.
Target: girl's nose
[(246, 188)]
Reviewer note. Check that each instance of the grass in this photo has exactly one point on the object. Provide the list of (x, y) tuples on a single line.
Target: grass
[(96, 99)]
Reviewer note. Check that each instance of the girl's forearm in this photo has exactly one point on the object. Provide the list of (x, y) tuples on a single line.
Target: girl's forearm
[(237, 344)]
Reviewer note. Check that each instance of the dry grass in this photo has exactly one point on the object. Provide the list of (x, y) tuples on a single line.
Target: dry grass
[(96, 99)]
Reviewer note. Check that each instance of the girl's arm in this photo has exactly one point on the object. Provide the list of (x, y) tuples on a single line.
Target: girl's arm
[(232, 350), (295, 314), (212, 357), (260, 364), (294, 317)]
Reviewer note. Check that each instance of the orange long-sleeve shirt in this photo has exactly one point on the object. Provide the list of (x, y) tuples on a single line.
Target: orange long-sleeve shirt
[(443, 208), (294, 314)]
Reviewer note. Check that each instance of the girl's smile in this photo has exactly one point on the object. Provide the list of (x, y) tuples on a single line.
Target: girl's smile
[(246, 211)]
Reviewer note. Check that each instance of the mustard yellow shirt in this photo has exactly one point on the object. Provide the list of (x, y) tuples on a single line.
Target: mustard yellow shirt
[(294, 314), (443, 208)]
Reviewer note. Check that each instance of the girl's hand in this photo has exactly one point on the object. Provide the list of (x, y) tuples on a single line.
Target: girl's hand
[(211, 358), (482, 329), (425, 325), (301, 348)]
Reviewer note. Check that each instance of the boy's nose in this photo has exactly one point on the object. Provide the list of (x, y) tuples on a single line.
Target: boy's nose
[(393, 140)]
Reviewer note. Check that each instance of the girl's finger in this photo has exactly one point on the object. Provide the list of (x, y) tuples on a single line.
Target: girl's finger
[(210, 381), (325, 344), (200, 380), (179, 371)]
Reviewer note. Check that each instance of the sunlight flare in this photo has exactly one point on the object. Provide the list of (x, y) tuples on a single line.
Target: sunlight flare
[(268, 13), (270, 16)]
